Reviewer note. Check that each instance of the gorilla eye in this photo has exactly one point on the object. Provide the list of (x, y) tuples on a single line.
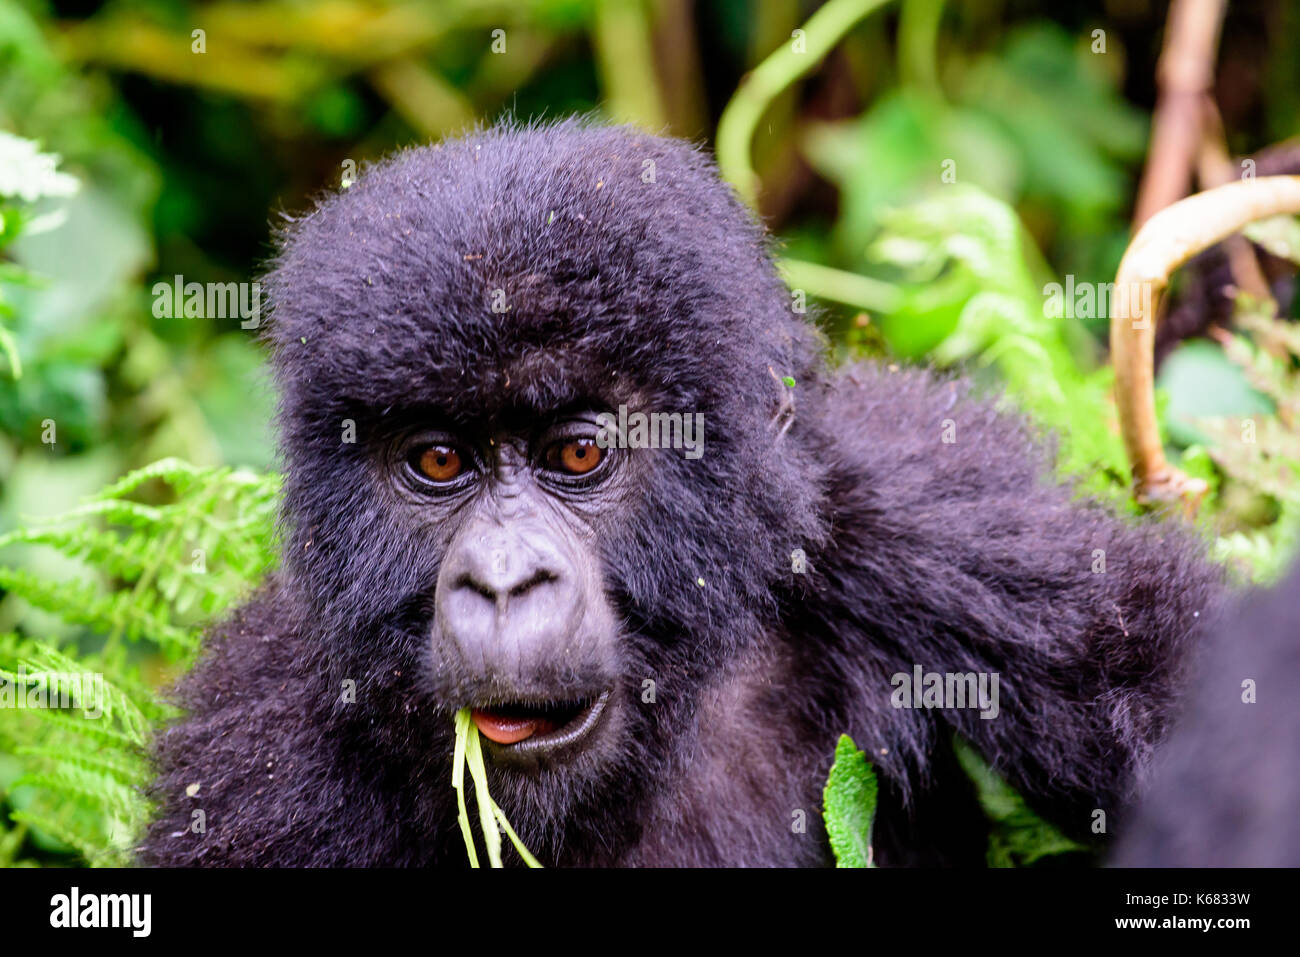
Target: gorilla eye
[(575, 456), (440, 463)]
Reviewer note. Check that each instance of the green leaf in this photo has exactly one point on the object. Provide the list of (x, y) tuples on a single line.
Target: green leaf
[(1018, 837), (1280, 235), (1201, 381), (849, 805), (9, 349)]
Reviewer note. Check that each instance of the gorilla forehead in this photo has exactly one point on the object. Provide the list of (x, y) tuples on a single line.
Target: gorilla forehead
[(530, 266)]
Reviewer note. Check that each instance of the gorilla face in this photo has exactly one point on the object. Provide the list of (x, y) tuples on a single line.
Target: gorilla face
[(505, 598), (521, 616), (468, 543)]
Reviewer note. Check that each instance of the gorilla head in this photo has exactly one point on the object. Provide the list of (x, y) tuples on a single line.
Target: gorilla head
[(475, 312)]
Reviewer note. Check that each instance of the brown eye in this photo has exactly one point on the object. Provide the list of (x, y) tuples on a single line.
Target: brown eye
[(440, 463), (576, 456)]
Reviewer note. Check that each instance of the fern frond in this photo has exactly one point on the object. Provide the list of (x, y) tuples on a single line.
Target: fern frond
[(153, 570)]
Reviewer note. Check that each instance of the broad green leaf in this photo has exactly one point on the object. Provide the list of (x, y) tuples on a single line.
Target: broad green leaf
[(1201, 381), (849, 805)]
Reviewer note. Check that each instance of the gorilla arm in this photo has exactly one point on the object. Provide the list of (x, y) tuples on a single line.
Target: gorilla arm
[(966, 557)]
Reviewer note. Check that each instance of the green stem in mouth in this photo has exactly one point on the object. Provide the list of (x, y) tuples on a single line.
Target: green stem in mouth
[(468, 748), (462, 725), (486, 819), (514, 838)]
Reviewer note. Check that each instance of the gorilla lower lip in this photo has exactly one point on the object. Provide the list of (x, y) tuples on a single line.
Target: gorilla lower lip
[(520, 727), (511, 723)]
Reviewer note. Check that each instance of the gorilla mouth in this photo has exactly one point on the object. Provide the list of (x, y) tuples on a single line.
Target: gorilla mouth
[(520, 727)]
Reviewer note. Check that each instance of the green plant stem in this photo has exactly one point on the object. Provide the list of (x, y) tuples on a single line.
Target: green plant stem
[(918, 36), (765, 82), (486, 817), (752, 99), (458, 782), (838, 285), (621, 41), (524, 852)]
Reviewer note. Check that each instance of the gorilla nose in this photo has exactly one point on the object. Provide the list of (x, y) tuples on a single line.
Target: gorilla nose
[(508, 597), (502, 577)]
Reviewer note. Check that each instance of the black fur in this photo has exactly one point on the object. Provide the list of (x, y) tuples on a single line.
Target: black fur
[(1226, 788), (657, 292)]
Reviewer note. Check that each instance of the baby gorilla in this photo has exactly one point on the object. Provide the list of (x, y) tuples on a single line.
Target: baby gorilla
[(660, 645)]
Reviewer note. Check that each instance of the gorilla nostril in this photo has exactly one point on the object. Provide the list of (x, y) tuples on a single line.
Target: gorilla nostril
[(468, 581), (539, 577), (502, 589)]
